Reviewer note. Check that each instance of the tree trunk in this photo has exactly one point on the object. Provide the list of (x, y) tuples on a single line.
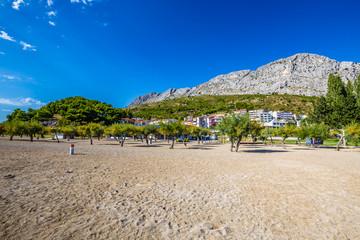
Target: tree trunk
[(223, 139), (183, 140), (283, 142), (57, 138), (173, 142), (31, 138), (238, 144), (299, 141), (231, 144), (338, 145), (271, 141), (198, 139), (202, 140), (91, 141), (11, 137), (146, 139), (123, 140)]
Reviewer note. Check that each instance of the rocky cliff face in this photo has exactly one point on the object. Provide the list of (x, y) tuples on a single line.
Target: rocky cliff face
[(301, 74)]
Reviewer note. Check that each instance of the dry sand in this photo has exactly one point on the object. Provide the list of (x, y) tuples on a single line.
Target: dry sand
[(194, 192)]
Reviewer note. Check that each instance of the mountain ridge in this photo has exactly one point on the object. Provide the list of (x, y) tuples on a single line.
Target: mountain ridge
[(301, 74)]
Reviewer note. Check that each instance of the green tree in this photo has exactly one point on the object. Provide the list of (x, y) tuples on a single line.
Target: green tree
[(55, 130), (203, 133), (2, 129), (32, 128), (321, 111), (235, 127), (68, 130), (14, 128), (266, 133), (195, 132), (149, 130), (120, 130), (285, 132), (353, 130), (255, 130), (173, 130), (17, 115), (357, 91), (302, 132), (94, 130)]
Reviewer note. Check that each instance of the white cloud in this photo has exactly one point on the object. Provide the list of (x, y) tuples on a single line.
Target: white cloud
[(16, 4), (27, 46), (50, 2), (51, 13), (5, 36), (10, 77), (6, 110), (51, 23), (2, 53), (21, 102), (81, 1)]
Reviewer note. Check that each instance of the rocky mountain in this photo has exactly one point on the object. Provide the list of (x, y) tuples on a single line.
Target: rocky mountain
[(301, 74)]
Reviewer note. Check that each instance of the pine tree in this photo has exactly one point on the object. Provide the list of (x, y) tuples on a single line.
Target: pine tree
[(350, 108), (335, 99)]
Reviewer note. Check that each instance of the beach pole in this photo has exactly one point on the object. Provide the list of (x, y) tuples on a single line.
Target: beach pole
[(72, 149)]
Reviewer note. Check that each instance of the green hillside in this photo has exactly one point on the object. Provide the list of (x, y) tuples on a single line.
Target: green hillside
[(210, 104)]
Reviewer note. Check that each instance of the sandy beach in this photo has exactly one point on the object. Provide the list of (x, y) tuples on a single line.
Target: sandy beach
[(194, 192)]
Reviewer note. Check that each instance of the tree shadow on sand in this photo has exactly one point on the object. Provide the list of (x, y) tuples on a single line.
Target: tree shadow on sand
[(263, 151)]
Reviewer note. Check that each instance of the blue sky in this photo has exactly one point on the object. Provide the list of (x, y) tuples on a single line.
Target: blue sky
[(114, 51)]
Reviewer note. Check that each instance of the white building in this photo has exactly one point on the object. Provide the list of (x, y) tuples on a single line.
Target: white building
[(276, 123)]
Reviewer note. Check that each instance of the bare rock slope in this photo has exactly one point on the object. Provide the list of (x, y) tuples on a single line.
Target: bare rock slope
[(301, 74)]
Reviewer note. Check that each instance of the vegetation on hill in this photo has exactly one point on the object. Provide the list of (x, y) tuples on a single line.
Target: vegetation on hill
[(211, 104), (74, 109), (340, 106)]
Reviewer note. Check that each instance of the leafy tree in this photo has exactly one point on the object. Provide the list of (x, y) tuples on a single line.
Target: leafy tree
[(235, 127), (82, 131), (255, 130), (2, 129), (285, 132), (357, 91), (55, 130), (17, 115), (302, 132), (173, 130), (318, 131), (14, 128), (339, 107), (120, 130), (32, 128), (203, 133), (321, 111), (94, 130), (266, 133), (195, 132), (74, 109), (353, 130), (68, 130), (149, 130)]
